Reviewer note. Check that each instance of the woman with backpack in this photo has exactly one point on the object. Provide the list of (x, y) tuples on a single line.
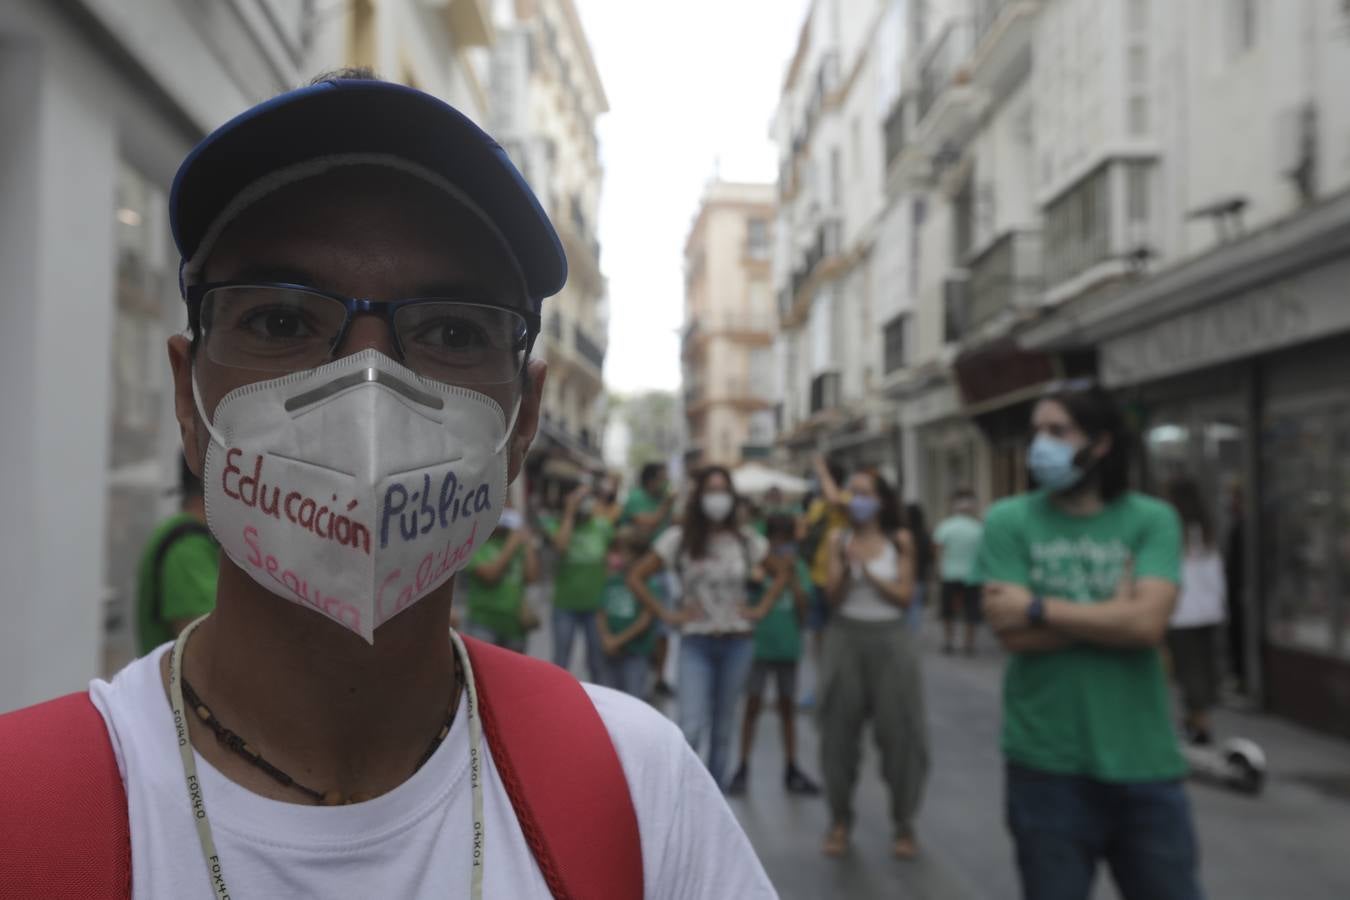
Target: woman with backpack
[(714, 560), (870, 665)]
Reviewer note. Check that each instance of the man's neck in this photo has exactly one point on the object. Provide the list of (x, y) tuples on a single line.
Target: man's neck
[(316, 700), (1085, 500)]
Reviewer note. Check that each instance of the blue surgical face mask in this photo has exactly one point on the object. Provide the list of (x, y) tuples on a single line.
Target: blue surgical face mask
[(1052, 464), (863, 509)]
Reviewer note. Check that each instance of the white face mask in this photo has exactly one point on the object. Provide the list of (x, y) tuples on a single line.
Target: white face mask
[(717, 505), (356, 488)]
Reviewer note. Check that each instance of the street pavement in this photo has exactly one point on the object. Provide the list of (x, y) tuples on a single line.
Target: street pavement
[(1292, 841)]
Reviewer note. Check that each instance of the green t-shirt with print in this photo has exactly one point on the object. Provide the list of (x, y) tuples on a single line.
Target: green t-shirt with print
[(640, 503), (778, 636), (497, 606), (186, 580), (1091, 710), (622, 609), (580, 579)]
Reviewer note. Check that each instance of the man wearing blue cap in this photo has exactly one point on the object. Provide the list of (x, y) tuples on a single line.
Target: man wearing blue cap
[(363, 270)]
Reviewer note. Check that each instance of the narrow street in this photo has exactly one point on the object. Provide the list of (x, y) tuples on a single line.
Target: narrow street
[(1289, 842)]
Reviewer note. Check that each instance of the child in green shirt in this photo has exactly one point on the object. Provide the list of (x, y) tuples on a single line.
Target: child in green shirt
[(625, 625), (778, 649)]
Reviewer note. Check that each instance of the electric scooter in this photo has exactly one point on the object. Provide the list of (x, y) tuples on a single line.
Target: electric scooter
[(1237, 763)]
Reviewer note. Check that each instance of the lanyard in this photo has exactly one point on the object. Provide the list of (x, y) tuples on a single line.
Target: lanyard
[(198, 805)]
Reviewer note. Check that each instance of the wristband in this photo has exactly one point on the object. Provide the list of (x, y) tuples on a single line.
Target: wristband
[(1036, 611)]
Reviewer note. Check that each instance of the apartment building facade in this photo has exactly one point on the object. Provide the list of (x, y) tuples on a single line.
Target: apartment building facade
[(546, 98), (727, 352), (1153, 195)]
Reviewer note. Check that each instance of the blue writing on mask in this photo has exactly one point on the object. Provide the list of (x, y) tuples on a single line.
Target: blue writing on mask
[(418, 509)]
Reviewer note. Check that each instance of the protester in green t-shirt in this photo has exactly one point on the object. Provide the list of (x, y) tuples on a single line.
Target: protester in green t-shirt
[(581, 538), (778, 649), (497, 576), (1080, 579), (957, 543), (648, 507), (625, 626), (176, 579)]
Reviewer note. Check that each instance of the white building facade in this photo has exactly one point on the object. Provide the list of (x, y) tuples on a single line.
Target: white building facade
[(1155, 195)]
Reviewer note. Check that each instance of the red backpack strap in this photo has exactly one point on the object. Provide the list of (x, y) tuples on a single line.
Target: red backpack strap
[(563, 776), (64, 830)]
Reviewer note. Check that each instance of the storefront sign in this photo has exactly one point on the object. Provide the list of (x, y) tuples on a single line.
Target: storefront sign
[(1287, 312)]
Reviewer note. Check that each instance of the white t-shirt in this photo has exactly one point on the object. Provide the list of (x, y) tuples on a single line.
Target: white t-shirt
[(413, 842), (1204, 590), (864, 602), (713, 588)]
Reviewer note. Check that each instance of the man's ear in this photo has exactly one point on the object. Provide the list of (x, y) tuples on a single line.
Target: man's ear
[(184, 408), (527, 420)]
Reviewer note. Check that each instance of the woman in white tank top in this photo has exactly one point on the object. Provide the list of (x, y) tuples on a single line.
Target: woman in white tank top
[(870, 665)]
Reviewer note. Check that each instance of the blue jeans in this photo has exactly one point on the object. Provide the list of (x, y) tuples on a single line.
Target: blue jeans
[(566, 622), (628, 672), (1063, 824), (483, 633), (713, 672)]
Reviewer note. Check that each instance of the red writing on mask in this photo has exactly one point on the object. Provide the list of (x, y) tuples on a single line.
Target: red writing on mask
[(320, 519), (299, 587), (397, 593)]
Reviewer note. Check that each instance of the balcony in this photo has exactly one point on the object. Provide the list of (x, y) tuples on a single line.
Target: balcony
[(823, 249), (825, 392), (895, 344), (1002, 42), (955, 308), (947, 106), (587, 348), (1006, 275)]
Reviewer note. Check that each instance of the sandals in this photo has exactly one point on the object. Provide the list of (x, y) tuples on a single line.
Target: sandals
[(836, 841)]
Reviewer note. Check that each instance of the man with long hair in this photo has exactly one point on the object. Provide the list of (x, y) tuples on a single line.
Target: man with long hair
[(1080, 578)]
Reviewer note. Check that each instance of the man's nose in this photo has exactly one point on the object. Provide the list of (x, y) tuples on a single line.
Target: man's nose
[(368, 332)]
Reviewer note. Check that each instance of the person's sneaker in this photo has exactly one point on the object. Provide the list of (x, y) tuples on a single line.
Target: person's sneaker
[(738, 781), (797, 783)]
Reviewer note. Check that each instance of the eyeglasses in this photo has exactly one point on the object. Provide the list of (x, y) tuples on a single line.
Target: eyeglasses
[(289, 328)]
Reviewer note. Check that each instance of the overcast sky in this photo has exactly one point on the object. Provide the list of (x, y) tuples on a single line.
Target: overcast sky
[(690, 85)]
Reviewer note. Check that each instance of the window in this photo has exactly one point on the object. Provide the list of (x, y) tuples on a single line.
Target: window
[(1136, 192), (1240, 26), (963, 224), (757, 239), (1078, 227), (1137, 16), (895, 339), (1137, 116)]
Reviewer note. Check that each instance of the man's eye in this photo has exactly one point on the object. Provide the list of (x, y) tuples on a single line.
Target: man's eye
[(453, 334), (277, 324)]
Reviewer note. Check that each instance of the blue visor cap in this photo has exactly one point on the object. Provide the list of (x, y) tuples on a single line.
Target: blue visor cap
[(358, 116)]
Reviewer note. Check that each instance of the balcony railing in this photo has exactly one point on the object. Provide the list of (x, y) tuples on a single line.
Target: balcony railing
[(1007, 274), (944, 63), (826, 245), (587, 348)]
